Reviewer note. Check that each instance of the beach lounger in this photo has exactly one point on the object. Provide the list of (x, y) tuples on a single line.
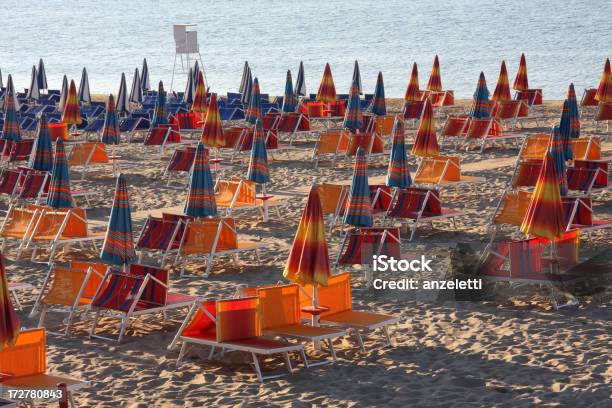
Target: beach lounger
[(33, 185), (586, 148), (24, 367), (143, 290), (383, 125), (9, 182), (331, 144), (604, 114), (413, 110), (190, 122), (455, 128), (18, 151), (293, 124), (588, 176), (439, 99), (209, 238), (442, 171), (180, 162), (90, 153), (17, 226), (160, 235), (336, 296), (239, 194), (481, 131), (372, 143), (508, 113), (233, 325), (67, 290), (532, 97), (588, 98), (162, 136), (579, 215), (333, 201), (534, 147)]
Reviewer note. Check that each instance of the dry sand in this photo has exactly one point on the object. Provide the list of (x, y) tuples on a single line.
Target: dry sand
[(510, 351)]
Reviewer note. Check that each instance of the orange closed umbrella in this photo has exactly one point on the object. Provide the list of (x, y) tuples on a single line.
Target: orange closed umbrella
[(413, 93), (199, 100), (426, 141), (327, 89), (212, 131), (435, 81), (71, 114), (604, 90), (520, 82), (502, 90), (9, 323)]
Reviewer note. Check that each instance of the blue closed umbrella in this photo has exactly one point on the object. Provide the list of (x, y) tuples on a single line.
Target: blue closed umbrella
[(300, 83), (59, 189), (123, 105), (258, 171), (43, 155), (200, 200), (118, 247), (159, 114), (398, 173), (145, 83), (556, 151), (41, 76), (353, 119), (357, 77), (289, 99), (359, 207), (379, 105), (565, 129), (84, 94), (480, 105)]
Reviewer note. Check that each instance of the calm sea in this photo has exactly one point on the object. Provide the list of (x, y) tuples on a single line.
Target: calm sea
[(564, 41)]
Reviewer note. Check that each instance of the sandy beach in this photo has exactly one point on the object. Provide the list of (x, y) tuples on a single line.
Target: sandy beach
[(508, 350)]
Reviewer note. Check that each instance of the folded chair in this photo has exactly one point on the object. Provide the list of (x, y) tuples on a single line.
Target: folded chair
[(143, 290), (162, 136), (331, 144), (604, 114), (180, 162), (209, 238), (66, 290), (337, 297), (442, 171), (239, 194), (232, 325), (90, 153), (586, 148), (579, 214), (333, 201), (414, 206), (161, 235), (24, 366)]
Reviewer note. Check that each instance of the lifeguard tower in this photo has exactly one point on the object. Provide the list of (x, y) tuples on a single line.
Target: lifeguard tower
[(187, 48)]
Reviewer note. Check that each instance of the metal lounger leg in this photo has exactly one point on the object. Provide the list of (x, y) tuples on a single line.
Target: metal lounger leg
[(330, 344), (257, 369)]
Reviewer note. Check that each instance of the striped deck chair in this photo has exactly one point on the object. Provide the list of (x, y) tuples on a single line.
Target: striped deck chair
[(67, 290), (233, 325), (588, 98), (18, 151), (159, 235), (455, 128), (333, 201), (293, 124), (143, 290), (382, 197), (90, 153), (586, 148), (162, 136), (526, 175), (604, 114), (413, 110), (579, 214), (336, 296), (34, 185), (508, 113), (331, 144), (17, 226), (414, 206), (442, 171), (180, 162), (190, 122), (209, 238), (9, 182), (336, 109), (24, 367), (58, 131), (239, 194), (481, 131), (373, 144), (439, 99), (281, 317), (588, 176), (532, 97), (314, 110), (383, 125)]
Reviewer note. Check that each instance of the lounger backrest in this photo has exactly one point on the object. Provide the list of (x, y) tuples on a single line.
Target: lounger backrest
[(525, 258), (157, 136), (513, 208), (279, 305), (383, 125), (527, 174), (88, 153), (364, 243), (337, 108), (413, 109), (119, 291), (535, 146), (578, 211), (588, 98), (95, 279), (291, 122), (332, 141), (201, 322), (238, 319), (336, 295), (34, 183), (8, 181), (479, 128), (20, 150), (456, 126), (438, 169), (65, 287), (201, 234), (411, 201), (604, 112), (182, 159), (568, 248), (586, 148), (333, 197), (507, 109), (156, 234), (27, 356), (370, 142), (381, 197), (314, 109), (601, 168), (20, 219), (51, 223), (154, 292)]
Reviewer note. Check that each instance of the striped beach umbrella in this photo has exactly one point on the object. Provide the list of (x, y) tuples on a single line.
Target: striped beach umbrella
[(574, 112), (9, 322), (379, 106), (357, 77), (308, 261), (289, 99), (604, 90), (556, 150), (300, 83), (196, 72), (199, 99), (84, 94), (426, 141), (544, 217), (136, 90), (189, 88), (502, 89), (398, 173), (258, 171), (10, 127), (118, 247), (353, 118), (160, 116), (1, 83), (123, 105), (61, 104), (59, 188), (10, 90), (111, 132), (327, 89), (72, 114), (41, 76), (212, 131), (200, 201), (42, 157), (359, 205), (248, 87), (145, 82), (413, 93), (480, 103), (246, 72), (565, 129), (435, 81), (520, 82), (33, 90), (254, 109)]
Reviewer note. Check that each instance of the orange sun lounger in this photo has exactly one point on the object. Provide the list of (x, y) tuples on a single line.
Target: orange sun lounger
[(442, 171), (240, 194), (90, 153), (481, 131), (333, 201), (586, 148), (331, 144), (17, 226)]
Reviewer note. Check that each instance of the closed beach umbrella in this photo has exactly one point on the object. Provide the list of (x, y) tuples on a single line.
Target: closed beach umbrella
[(123, 105), (520, 82), (398, 173), (42, 159), (84, 94), (9, 322), (574, 112), (196, 72), (10, 90), (33, 90), (413, 93), (359, 204), (136, 91), (557, 151), (300, 83), (426, 141), (502, 89), (199, 99), (480, 103), (565, 128), (189, 88), (72, 114), (145, 83), (10, 127), (379, 106), (604, 90), (353, 118), (289, 99), (160, 116), (435, 81), (200, 200), (59, 187), (258, 171), (357, 77), (118, 247), (248, 87), (308, 261), (327, 89), (544, 216), (212, 131), (111, 131), (61, 104), (254, 109), (245, 74), (41, 76), (1, 83)]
